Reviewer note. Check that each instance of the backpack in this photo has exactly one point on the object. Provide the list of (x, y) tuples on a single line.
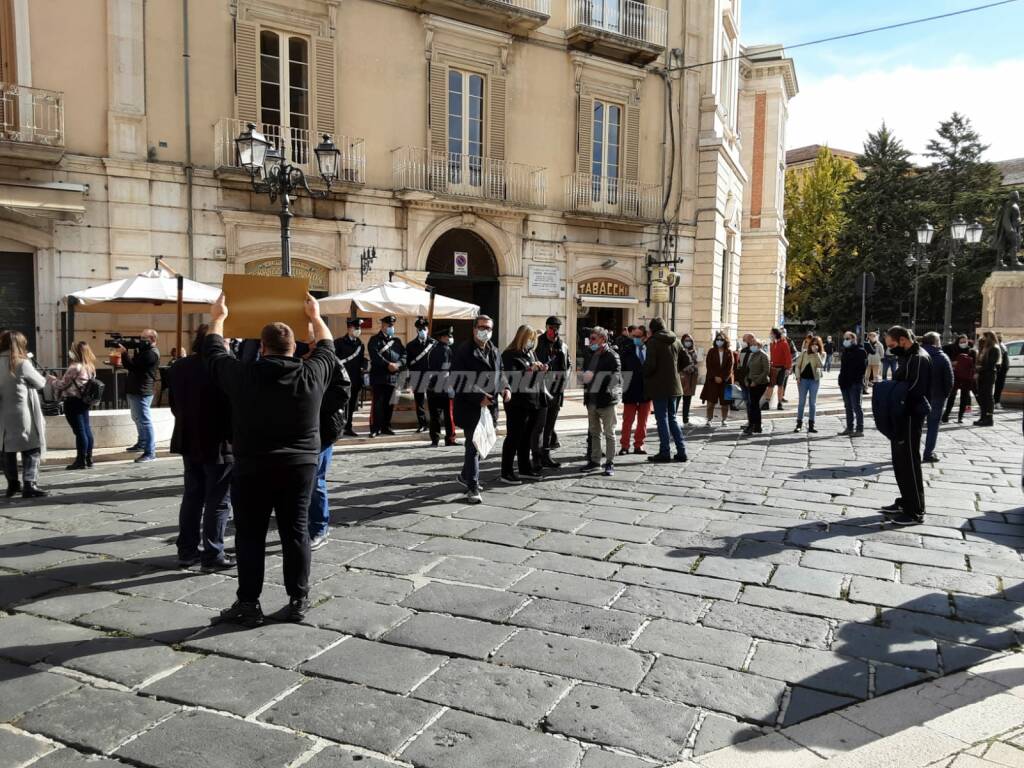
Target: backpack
[(92, 391)]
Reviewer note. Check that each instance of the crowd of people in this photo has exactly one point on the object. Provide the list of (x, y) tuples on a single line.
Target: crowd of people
[(237, 465)]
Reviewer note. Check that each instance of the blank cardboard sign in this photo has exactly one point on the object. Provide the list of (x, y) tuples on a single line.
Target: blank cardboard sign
[(255, 300)]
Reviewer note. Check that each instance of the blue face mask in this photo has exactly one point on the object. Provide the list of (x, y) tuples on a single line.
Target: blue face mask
[(421, 334), (719, 342), (389, 331), (847, 343), (594, 347), (638, 342), (755, 347)]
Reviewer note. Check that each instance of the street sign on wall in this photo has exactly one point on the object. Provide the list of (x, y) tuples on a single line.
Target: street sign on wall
[(461, 263)]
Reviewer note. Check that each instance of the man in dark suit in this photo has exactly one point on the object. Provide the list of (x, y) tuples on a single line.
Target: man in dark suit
[(553, 352), (437, 385), (387, 359), (352, 354), (417, 352), (478, 385), (202, 434)]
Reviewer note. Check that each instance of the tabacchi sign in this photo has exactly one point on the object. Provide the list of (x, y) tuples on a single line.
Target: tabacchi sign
[(602, 287)]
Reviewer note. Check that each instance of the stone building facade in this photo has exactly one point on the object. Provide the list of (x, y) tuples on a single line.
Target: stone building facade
[(530, 156)]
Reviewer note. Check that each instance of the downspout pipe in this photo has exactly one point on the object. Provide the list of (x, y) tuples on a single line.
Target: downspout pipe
[(186, 59)]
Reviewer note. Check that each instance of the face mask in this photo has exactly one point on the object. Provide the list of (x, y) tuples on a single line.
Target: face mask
[(847, 343), (421, 335), (719, 342), (449, 342), (963, 345), (814, 348), (389, 331), (529, 346), (638, 342), (483, 334), (552, 333), (755, 347), (594, 346), (687, 343), (354, 333)]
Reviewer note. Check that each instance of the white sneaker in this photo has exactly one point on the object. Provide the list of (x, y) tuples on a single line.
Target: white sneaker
[(316, 542), (473, 496)]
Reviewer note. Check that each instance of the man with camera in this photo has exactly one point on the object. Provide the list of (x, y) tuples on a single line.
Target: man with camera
[(275, 417), (143, 368)]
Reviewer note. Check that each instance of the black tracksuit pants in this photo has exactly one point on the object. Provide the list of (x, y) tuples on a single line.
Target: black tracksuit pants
[(906, 464), (259, 488)]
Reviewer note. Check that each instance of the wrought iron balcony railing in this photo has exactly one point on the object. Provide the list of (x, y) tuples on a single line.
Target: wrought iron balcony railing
[(610, 196), (469, 176), (31, 115)]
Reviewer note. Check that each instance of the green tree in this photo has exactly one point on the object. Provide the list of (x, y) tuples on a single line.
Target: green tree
[(883, 210), (815, 220), (959, 181)]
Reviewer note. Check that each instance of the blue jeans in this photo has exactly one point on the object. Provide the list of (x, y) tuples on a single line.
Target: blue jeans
[(139, 405), (668, 425), (319, 513), (204, 510), (888, 364), (77, 414), (808, 388), (934, 417), (828, 362), (851, 399)]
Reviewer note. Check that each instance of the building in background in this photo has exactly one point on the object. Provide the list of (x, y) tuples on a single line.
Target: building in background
[(527, 155)]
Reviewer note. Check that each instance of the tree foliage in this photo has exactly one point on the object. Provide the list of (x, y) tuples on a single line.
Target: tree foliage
[(815, 221)]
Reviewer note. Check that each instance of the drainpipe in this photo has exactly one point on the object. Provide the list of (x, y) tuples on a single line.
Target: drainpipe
[(185, 57)]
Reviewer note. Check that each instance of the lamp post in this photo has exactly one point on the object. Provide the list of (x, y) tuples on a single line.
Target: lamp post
[(918, 259), (960, 232), (270, 172)]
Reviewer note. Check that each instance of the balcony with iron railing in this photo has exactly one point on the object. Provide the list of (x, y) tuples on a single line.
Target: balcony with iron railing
[(625, 30), (514, 16), (589, 195), (469, 176), (31, 123), (297, 144)]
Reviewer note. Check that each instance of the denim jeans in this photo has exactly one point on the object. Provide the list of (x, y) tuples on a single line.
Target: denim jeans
[(204, 510), (888, 364), (808, 389), (139, 405), (668, 425), (851, 400), (77, 414), (319, 512), (934, 417), (828, 362)]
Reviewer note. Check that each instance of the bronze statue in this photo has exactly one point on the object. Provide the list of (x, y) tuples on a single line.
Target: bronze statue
[(1007, 237)]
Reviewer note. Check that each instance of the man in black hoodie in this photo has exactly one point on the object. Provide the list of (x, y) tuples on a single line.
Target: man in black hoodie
[(275, 415)]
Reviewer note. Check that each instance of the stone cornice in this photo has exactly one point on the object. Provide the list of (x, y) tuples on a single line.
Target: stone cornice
[(299, 223)]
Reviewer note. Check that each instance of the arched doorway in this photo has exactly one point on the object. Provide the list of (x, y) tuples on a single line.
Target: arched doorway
[(461, 265)]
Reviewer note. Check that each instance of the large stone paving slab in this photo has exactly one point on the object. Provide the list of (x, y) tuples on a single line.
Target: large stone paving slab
[(575, 619)]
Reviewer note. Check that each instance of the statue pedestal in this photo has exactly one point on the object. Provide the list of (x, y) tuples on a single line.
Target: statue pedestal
[(1002, 308)]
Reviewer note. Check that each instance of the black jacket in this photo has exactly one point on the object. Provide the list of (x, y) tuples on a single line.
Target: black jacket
[(439, 366), (202, 413), (332, 407), (143, 368), (853, 364), (605, 388), (633, 372), (417, 353), (915, 369), (352, 355), (275, 402), (942, 374), (476, 372), (383, 350), (526, 384), (554, 354)]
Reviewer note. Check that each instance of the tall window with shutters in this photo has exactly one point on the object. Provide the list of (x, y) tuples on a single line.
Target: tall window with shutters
[(465, 128), (284, 92), (606, 145)]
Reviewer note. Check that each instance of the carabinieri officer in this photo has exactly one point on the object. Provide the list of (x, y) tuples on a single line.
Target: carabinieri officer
[(387, 359)]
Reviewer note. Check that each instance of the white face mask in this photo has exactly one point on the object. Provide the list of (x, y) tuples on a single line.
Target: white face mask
[(353, 332), (814, 348), (483, 334), (529, 346)]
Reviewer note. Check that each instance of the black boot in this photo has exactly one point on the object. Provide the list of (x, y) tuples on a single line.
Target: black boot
[(78, 463), (88, 460), (810, 426), (13, 488), (33, 491), (10, 462), (799, 425)]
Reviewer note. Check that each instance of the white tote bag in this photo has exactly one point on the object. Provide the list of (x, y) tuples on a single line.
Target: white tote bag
[(485, 435)]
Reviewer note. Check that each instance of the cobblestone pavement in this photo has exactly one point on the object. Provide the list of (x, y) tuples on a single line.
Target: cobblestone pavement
[(576, 622)]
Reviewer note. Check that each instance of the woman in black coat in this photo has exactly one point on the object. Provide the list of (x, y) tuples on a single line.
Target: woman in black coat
[(987, 366), (852, 367), (524, 376)]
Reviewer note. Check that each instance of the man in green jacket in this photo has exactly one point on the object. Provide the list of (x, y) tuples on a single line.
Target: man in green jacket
[(664, 359), (753, 374)]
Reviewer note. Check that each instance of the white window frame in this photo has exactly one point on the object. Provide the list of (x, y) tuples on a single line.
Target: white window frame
[(465, 169), (606, 188), (299, 146)]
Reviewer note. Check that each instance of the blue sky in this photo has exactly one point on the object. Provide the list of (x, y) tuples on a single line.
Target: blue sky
[(911, 77)]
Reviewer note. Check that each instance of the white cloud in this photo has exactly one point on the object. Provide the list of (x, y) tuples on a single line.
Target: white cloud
[(840, 110)]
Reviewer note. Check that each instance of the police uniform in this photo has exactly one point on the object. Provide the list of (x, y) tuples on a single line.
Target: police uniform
[(417, 351), (383, 350), (352, 354), (555, 354), (437, 385)]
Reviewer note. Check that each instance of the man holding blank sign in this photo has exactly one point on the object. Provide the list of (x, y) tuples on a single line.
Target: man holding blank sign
[(275, 415)]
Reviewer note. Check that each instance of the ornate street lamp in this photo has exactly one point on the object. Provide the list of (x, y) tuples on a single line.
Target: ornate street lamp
[(925, 233), (974, 232), (959, 232), (270, 172), (918, 259)]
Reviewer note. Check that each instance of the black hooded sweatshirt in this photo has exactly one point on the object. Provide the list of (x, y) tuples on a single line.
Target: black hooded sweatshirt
[(275, 401)]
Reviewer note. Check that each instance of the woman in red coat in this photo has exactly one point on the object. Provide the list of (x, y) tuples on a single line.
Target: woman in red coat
[(719, 364)]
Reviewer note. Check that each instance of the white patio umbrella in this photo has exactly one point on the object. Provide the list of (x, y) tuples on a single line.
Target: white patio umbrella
[(398, 298)]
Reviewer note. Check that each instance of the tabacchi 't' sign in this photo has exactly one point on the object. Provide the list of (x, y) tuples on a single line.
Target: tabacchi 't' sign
[(602, 287)]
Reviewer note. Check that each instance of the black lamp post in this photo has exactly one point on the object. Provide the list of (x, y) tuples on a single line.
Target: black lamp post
[(960, 232), (918, 259), (269, 172)]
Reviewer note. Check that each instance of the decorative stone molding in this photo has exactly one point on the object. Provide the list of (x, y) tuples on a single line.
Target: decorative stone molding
[(597, 76), (466, 45), (424, 230)]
